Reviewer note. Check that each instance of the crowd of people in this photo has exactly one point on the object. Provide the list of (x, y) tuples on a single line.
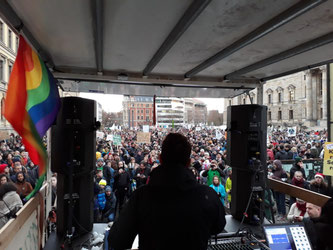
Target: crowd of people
[(121, 169), (126, 167), (18, 177)]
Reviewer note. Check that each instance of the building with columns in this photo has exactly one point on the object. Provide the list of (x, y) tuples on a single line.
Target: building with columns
[(298, 99)]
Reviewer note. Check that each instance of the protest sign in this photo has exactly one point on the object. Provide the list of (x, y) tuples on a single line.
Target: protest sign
[(328, 159), (143, 137)]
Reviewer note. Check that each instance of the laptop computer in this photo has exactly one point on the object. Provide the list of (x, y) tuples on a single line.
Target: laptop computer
[(287, 236)]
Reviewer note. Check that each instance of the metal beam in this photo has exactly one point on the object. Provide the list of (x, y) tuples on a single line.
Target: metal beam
[(159, 82), (304, 47), (186, 20), (289, 72), (90, 74), (170, 90), (276, 22), (7, 12), (97, 25)]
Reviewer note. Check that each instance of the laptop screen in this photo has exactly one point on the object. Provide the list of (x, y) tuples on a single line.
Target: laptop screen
[(287, 237)]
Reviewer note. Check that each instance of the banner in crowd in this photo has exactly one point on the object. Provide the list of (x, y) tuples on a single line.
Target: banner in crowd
[(292, 131), (328, 159), (99, 135), (218, 134), (143, 137), (145, 128), (116, 140), (109, 137)]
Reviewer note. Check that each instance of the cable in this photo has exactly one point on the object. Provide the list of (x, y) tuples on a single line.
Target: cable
[(245, 212)]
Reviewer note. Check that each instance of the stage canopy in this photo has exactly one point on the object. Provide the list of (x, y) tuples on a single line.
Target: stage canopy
[(183, 48)]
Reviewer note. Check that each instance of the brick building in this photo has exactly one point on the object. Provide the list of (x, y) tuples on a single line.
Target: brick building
[(137, 111)]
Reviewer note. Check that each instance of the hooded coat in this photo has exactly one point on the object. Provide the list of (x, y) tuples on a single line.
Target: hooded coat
[(172, 212)]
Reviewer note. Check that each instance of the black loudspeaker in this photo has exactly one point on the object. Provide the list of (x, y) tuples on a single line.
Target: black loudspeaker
[(82, 206), (73, 147), (246, 154), (73, 138)]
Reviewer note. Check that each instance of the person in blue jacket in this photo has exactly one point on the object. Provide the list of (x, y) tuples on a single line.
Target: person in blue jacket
[(100, 201), (219, 189)]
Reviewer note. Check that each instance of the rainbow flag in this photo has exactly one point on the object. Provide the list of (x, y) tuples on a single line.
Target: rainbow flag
[(32, 104)]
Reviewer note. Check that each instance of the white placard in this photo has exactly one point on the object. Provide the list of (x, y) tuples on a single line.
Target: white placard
[(292, 131), (99, 135), (145, 128)]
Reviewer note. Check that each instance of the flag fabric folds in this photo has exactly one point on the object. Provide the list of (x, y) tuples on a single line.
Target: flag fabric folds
[(31, 105)]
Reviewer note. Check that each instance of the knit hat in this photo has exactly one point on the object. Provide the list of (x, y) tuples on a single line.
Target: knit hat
[(102, 182), (317, 175), (2, 168), (100, 159), (298, 159), (108, 188)]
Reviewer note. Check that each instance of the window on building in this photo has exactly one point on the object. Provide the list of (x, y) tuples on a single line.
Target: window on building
[(147, 118), (304, 77), (10, 39), (279, 115), (1, 69), (280, 97), (244, 100), (147, 111), (10, 68), (2, 108), (1, 31), (141, 111), (142, 117), (269, 115), (291, 95), (17, 43), (141, 104), (291, 114), (138, 117), (321, 113), (147, 105), (269, 98), (320, 83), (132, 104), (230, 102)]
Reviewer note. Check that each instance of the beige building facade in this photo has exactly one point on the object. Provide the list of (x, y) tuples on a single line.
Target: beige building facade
[(8, 47), (298, 99)]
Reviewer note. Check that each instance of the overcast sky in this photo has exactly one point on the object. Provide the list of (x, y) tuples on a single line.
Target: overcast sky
[(113, 103)]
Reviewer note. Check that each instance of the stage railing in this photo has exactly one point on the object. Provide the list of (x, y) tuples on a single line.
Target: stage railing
[(27, 230), (304, 194)]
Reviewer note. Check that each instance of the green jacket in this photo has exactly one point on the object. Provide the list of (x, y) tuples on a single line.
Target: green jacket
[(210, 175)]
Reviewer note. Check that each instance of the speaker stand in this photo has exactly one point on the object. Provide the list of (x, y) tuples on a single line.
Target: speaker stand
[(71, 199)]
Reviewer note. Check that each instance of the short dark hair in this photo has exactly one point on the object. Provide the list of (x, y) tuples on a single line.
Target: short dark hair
[(175, 149)]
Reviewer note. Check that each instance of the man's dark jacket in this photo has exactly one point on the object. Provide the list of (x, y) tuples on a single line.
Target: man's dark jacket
[(172, 212), (281, 155)]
